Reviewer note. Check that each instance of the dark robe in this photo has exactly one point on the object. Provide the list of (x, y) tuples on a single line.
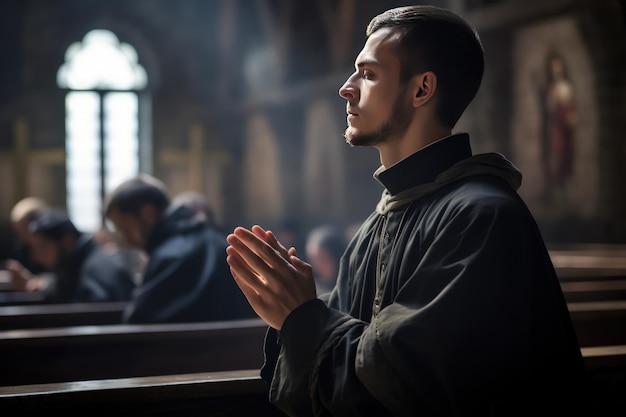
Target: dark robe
[(91, 274), (187, 278), (447, 304)]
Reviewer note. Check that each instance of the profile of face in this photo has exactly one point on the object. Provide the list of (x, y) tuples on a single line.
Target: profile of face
[(378, 106), (46, 251), (21, 229), (133, 229)]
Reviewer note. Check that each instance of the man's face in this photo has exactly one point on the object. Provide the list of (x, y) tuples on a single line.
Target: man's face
[(133, 229), (21, 229), (46, 251), (379, 108)]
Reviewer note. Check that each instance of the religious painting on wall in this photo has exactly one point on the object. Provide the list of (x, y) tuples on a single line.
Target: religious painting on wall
[(554, 123), (559, 126)]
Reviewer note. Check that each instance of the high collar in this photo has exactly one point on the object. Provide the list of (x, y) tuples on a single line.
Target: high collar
[(423, 166)]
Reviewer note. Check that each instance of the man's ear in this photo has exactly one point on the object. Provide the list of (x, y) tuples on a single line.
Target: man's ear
[(150, 213), (424, 88)]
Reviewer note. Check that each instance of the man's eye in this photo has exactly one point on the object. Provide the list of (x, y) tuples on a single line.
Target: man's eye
[(367, 75)]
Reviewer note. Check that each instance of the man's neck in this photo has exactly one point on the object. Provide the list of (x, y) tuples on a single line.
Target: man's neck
[(397, 149)]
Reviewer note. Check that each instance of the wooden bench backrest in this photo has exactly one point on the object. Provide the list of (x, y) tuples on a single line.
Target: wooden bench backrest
[(60, 315), (235, 393), (118, 351)]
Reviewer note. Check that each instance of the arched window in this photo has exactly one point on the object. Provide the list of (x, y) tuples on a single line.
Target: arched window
[(102, 78)]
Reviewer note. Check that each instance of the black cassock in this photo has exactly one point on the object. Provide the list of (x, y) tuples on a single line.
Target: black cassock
[(447, 303)]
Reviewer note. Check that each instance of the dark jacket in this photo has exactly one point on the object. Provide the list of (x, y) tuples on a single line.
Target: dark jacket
[(91, 274), (187, 278), (447, 304)]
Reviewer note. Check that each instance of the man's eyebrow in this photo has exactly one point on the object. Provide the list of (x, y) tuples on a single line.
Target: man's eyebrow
[(366, 62)]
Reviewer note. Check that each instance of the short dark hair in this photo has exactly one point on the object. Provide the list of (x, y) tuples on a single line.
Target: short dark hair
[(438, 40), (131, 195), (53, 223)]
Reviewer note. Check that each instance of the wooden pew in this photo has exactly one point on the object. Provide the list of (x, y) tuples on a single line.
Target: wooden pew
[(120, 351), (12, 298), (238, 393), (6, 281), (224, 394), (606, 366), (60, 315), (594, 290), (599, 323), (589, 262)]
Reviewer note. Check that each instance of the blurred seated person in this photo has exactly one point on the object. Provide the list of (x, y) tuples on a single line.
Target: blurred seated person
[(26, 274), (84, 270), (133, 258), (324, 247), (198, 202), (186, 278)]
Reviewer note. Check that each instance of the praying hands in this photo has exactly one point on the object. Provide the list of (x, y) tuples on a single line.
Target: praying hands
[(274, 280)]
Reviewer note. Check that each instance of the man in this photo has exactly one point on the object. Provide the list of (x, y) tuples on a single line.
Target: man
[(84, 271), (26, 275), (186, 278), (446, 301), (323, 249)]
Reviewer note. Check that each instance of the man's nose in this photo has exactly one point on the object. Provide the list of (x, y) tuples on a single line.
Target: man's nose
[(348, 90)]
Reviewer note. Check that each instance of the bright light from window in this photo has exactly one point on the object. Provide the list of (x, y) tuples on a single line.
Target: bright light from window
[(82, 147), (120, 131), (100, 62)]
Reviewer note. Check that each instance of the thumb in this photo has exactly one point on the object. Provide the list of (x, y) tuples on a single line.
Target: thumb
[(300, 265)]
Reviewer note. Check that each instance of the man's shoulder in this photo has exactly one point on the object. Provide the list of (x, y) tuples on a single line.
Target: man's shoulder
[(480, 195), (478, 189)]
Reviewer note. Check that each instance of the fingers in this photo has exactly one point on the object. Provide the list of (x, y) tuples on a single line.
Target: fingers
[(14, 265), (259, 254), (270, 238), (272, 278), (251, 294)]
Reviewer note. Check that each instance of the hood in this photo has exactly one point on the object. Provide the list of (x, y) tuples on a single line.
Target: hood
[(176, 220)]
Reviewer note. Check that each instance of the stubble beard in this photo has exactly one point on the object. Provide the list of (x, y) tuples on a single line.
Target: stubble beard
[(395, 126)]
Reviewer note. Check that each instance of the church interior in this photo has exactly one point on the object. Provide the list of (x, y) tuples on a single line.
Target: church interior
[(238, 101)]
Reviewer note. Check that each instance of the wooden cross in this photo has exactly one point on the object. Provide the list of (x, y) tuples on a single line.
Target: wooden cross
[(23, 159), (203, 177)]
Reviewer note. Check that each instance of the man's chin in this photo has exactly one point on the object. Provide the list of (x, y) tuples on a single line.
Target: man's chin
[(355, 139)]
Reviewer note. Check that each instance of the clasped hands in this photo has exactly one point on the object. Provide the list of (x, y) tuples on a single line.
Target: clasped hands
[(273, 279)]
